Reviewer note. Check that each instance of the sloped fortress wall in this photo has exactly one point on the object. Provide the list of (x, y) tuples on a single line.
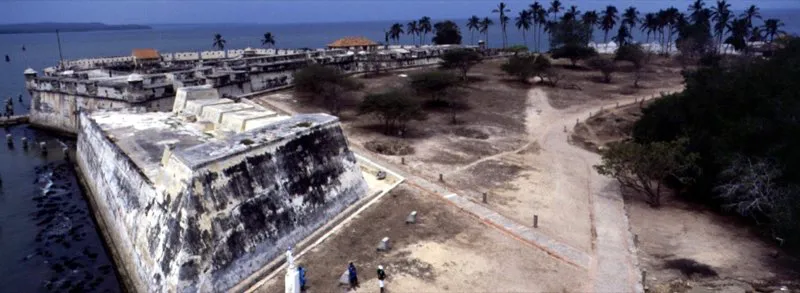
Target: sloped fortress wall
[(202, 214)]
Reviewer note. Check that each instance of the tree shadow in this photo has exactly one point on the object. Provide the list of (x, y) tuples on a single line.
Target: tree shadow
[(689, 267)]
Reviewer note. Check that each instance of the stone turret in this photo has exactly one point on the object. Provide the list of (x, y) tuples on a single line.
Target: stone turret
[(30, 78)]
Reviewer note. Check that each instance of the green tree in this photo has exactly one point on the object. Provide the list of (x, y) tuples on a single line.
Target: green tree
[(737, 30), (395, 32), (433, 84), (412, 29), (425, 27), (605, 65), (473, 24), (523, 23), (645, 167), (461, 59), (324, 84), (393, 108), (623, 36), (524, 67), (570, 39), (636, 55), (591, 19), (572, 13), (721, 15), (485, 24), (219, 42), (442, 89), (539, 15), (555, 8), (750, 13), (630, 17), (649, 25), (502, 9), (268, 40), (772, 27), (608, 21), (733, 114), (446, 32)]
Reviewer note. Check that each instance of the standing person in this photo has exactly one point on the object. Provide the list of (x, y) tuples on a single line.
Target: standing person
[(381, 277), (352, 276), (302, 274)]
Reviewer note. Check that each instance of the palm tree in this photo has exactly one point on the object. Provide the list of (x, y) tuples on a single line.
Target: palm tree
[(721, 16), (474, 24), (485, 24), (268, 39), (523, 23), (424, 27), (673, 18), (555, 8), (755, 34), (608, 21), (696, 7), (649, 25), (542, 15), (412, 29), (219, 42), (572, 13), (536, 16), (737, 34), (750, 13), (590, 19), (395, 32), (772, 27), (630, 17), (623, 36), (502, 9)]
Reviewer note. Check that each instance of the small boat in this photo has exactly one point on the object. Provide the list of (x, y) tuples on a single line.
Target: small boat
[(8, 59)]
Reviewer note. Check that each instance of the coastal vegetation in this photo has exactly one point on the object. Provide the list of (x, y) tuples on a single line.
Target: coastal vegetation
[(268, 40), (325, 86)]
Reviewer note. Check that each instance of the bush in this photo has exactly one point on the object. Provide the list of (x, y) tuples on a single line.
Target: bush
[(635, 54), (324, 84), (605, 65), (573, 53), (525, 67), (434, 84), (393, 108), (461, 59), (446, 33)]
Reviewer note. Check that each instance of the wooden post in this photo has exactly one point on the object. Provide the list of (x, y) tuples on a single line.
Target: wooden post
[(636, 240), (440, 177), (403, 160), (536, 221), (484, 197)]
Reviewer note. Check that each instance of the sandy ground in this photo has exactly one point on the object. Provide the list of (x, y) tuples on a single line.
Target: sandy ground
[(513, 145), (445, 251), (684, 245), (715, 246)]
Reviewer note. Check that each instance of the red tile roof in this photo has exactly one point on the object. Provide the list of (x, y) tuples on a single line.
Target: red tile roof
[(145, 54), (352, 42)]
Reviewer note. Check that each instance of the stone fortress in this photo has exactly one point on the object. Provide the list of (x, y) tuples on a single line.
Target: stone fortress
[(195, 187), (199, 198), (148, 79)]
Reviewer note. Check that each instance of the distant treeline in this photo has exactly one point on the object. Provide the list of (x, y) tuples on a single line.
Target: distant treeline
[(27, 28)]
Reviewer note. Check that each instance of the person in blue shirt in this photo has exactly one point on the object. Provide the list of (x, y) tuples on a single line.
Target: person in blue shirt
[(302, 274), (352, 275)]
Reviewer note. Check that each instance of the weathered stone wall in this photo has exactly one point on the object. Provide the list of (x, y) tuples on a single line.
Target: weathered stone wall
[(215, 221), (125, 203), (59, 111)]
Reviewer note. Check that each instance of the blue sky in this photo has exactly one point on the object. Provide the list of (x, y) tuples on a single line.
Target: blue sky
[(252, 11)]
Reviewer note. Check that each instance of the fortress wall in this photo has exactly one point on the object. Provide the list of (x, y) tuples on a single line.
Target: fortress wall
[(268, 80), (125, 202), (253, 205), (59, 111), (209, 226)]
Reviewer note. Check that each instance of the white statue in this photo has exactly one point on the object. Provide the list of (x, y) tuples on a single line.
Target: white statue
[(290, 259), (292, 280)]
